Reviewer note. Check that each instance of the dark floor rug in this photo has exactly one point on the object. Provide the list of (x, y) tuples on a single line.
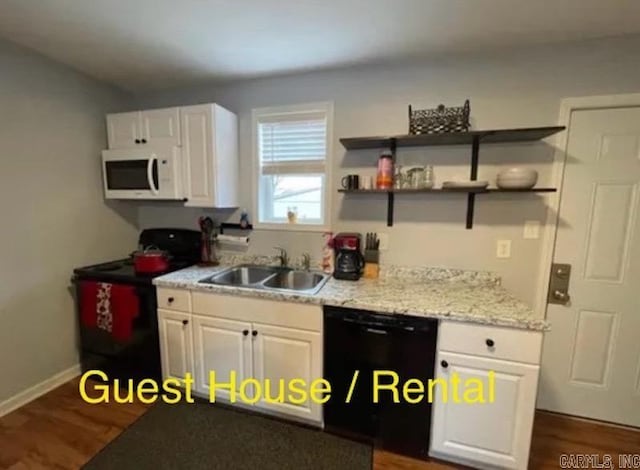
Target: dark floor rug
[(205, 436)]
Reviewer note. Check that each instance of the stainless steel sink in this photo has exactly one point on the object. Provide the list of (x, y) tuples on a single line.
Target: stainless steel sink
[(270, 278), (295, 280), (242, 276)]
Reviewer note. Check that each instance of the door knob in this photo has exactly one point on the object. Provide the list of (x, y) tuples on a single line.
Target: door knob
[(185, 322), (444, 364), (245, 332), (144, 141), (137, 141), (254, 333)]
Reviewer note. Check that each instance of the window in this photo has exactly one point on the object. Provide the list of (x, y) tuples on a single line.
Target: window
[(291, 152)]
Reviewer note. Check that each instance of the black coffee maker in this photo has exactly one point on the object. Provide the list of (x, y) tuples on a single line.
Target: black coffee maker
[(349, 261)]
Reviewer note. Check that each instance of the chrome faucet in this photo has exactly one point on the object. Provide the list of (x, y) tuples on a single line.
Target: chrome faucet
[(283, 257), (306, 261)]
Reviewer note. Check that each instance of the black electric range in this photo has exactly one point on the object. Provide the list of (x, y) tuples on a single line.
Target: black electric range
[(139, 357), (182, 245)]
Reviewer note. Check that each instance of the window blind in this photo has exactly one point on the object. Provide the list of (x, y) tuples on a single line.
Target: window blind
[(295, 144)]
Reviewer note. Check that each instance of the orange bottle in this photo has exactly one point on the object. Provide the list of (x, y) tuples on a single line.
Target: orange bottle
[(384, 178)]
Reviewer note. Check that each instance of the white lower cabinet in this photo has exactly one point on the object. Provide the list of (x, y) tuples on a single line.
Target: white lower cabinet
[(175, 343), (493, 434), (266, 340), (222, 346), (287, 354)]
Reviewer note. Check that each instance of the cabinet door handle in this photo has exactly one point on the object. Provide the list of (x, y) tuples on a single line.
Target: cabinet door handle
[(490, 342), (185, 322), (444, 364), (137, 141), (144, 141), (245, 332), (254, 333), (170, 300)]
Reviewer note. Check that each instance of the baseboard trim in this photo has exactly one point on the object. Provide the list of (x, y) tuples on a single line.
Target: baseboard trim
[(38, 390)]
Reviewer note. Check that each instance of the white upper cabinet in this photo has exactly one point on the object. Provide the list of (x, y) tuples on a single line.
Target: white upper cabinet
[(160, 126), (210, 156), (153, 127), (207, 138), (123, 130)]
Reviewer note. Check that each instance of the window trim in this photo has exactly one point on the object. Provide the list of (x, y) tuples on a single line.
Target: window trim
[(325, 107)]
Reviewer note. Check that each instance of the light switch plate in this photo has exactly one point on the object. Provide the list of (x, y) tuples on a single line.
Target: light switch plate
[(384, 241), (503, 249), (531, 230)]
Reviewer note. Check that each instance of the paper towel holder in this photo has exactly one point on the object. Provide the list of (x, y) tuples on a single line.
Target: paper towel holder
[(231, 226)]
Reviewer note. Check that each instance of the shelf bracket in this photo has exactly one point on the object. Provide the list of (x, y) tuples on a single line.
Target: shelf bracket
[(471, 202), (471, 198), (390, 195)]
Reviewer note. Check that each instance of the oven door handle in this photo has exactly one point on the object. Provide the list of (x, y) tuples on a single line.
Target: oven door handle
[(152, 186)]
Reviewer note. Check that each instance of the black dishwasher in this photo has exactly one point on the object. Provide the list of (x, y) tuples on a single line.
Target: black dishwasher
[(368, 341)]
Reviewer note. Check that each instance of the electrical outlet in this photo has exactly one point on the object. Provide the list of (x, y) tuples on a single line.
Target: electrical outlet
[(384, 241), (531, 229), (503, 249)]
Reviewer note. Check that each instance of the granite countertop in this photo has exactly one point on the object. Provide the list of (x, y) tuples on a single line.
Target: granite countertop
[(459, 295)]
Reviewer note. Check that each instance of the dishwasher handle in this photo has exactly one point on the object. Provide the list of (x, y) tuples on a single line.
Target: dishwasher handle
[(375, 326), (364, 319)]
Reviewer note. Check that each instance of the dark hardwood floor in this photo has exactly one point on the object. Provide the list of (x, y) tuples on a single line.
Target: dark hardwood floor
[(60, 431)]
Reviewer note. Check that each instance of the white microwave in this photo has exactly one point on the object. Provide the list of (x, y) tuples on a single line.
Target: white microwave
[(142, 173)]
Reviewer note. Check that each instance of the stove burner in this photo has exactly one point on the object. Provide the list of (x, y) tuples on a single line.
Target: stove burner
[(109, 267)]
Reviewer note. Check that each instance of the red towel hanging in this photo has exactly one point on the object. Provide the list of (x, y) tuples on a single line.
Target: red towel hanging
[(110, 307)]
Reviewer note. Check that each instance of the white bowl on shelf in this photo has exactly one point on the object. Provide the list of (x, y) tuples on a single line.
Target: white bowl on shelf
[(517, 178)]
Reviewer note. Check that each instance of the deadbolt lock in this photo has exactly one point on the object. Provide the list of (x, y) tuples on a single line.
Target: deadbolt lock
[(559, 284)]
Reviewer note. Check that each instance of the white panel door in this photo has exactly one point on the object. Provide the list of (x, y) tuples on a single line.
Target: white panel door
[(221, 346), (197, 155), (495, 434), (591, 356), (123, 129), (161, 127), (287, 353), (175, 344)]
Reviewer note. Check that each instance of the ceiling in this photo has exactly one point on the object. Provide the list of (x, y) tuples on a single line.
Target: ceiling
[(144, 44)]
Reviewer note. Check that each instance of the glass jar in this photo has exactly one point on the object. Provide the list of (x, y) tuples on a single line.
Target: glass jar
[(429, 177), (416, 178), (398, 178)]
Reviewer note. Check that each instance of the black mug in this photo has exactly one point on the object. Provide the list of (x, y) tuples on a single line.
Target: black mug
[(351, 182)]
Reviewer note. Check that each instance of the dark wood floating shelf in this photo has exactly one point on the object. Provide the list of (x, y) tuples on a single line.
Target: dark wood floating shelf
[(473, 138), (446, 190), (527, 134)]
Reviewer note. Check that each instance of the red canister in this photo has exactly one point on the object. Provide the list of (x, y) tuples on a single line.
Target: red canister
[(384, 178)]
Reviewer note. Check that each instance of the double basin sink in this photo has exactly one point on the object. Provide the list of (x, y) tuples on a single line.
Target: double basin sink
[(270, 278)]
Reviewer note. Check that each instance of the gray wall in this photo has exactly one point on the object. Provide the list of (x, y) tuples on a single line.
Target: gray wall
[(511, 89), (54, 215)]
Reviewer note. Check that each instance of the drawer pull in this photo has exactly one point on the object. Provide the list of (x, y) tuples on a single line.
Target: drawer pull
[(490, 343), (170, 300), (444, 364)]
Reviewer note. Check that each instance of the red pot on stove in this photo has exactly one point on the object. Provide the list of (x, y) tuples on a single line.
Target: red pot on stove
[(150, 261)]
